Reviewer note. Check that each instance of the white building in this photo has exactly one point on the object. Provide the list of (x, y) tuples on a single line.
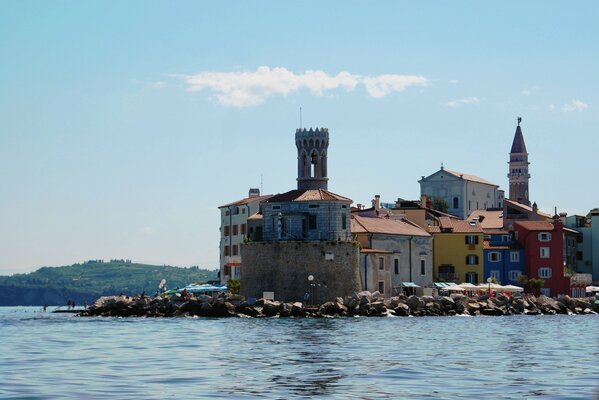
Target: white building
[(233, 231), (463, 193)]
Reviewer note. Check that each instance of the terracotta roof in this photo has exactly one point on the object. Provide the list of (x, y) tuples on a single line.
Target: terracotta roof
[(493, 219), (307, 195), (496, 231), (375, 251), (456, 226), (471, 178), (536, 225), (524, 207), (247, 200), (385, 226), (518, 145), (256, 216), (489, 246)]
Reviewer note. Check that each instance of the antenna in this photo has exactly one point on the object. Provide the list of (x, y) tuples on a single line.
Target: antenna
[(300, 118), (261, 185), (519, 120)]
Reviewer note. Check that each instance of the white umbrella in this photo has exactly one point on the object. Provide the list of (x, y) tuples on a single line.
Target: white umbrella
[(486, 286), (512, 288), (467, 286), (592, 289)]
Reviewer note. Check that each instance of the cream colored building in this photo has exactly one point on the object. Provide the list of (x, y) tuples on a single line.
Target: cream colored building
[(234, 230)]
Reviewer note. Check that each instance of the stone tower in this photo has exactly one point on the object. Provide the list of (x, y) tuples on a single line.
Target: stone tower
[(312, 148), (518, 173)]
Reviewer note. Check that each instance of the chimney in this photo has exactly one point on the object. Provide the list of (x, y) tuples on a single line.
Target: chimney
[(376, 203), (423, 200)]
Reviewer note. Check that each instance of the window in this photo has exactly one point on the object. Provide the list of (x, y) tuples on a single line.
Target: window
[(313, 206), (472, 277), (243, 210), (227, 230), (514, 256), (227, 252), (471, 239), (544, 236), (494, 256), (456, 203), (505, 238), (579, 238), (472, 259), (396, 262), (579, 255), (311, 221), (495, 274), (227, 213), (235, 250), (544, 252), (382, 287), (545, 272), (546, 291), (235, 230), (381, 263), (344, 222), (276, 207), (422, 266), (513, 275), (243, 229)]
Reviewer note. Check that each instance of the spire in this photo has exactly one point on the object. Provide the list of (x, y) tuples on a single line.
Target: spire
[(518, 145)]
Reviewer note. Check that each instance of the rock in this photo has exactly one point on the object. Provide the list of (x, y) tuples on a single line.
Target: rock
[(402, 310), (270, 308), (376, 295), (297, 309), (415, 303), (223, 309)]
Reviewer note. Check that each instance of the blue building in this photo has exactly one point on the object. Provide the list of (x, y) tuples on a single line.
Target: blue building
[(503, 257)]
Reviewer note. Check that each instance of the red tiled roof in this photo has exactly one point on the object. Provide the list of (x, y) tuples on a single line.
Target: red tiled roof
[(524, 207), (385, 226), (495, 231), (247, 200), (493, 219), (471, 178), (489, 246), (307, 195), (535, 225), (256, 216), (456, 226), (375, 251)]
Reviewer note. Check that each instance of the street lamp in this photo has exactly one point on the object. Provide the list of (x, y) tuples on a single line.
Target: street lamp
[(489, 280), (311, 289)]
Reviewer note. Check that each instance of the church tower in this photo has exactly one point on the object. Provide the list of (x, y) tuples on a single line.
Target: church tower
[(312, 148), (518, 174)]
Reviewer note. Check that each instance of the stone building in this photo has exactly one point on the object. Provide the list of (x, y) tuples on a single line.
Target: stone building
[(305, 233)]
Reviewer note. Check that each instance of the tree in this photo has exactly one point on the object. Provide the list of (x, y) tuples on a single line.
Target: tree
[(440, 204), (535, 284), (234, 285)]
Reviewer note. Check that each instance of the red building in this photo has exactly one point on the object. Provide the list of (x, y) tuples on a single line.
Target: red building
[(543, 243)]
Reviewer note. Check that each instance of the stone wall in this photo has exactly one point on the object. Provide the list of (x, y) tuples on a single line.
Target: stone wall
[(284, 267)]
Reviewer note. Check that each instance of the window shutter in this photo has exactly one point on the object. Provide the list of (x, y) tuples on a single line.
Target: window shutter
[(476, 239), (466, 239)]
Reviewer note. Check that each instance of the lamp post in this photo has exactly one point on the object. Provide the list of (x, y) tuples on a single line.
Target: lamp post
[(311, 288), (489, 280)]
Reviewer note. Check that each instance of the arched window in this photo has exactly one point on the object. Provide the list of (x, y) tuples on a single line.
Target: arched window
[(456, 202), (314, 165)]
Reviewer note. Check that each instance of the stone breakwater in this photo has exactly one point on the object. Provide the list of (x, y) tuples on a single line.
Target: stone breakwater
[(360, 304)]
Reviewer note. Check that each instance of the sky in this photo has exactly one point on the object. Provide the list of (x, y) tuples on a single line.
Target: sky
[(124, 125)]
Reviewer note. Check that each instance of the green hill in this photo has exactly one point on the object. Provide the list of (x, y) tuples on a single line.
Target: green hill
[(88, 281)]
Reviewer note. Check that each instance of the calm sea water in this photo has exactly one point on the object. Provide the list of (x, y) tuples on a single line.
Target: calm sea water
[(50, 356)]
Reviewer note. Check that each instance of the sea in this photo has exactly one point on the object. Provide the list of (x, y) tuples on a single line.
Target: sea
[(45, 355)]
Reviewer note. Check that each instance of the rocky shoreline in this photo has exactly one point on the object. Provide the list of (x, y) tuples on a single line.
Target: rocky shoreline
[(360, 304)]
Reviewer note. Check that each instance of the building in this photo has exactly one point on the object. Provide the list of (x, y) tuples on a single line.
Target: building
[(395, 255), (543, 254), (306, 245), (461, 192), (514, 211), (594, 214), (503, 257), (458, 251), (233, 230), (584, 242), (518, 174)]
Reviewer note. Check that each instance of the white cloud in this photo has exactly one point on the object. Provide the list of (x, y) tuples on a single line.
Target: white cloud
[(150, 84), (551, 107), (245, 89), (461, 102), (575, 105), (526, 92), (454, 81)]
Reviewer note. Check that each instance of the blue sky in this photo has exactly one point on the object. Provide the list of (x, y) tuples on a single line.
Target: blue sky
[(124, 125)]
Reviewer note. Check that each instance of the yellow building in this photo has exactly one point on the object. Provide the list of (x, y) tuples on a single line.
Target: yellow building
[(457, 251)]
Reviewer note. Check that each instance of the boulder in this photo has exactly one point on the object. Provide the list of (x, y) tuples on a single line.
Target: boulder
[(415, 303), (402, 310), (270, 308)]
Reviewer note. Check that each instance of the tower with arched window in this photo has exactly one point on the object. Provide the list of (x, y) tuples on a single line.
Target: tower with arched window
[(312, 146), (518, 174)]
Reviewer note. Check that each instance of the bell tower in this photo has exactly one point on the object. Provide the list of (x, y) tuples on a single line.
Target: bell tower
[(312, 146), (518, 173)]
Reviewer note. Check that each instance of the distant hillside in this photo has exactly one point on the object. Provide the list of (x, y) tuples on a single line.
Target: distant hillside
[(86, 282)]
